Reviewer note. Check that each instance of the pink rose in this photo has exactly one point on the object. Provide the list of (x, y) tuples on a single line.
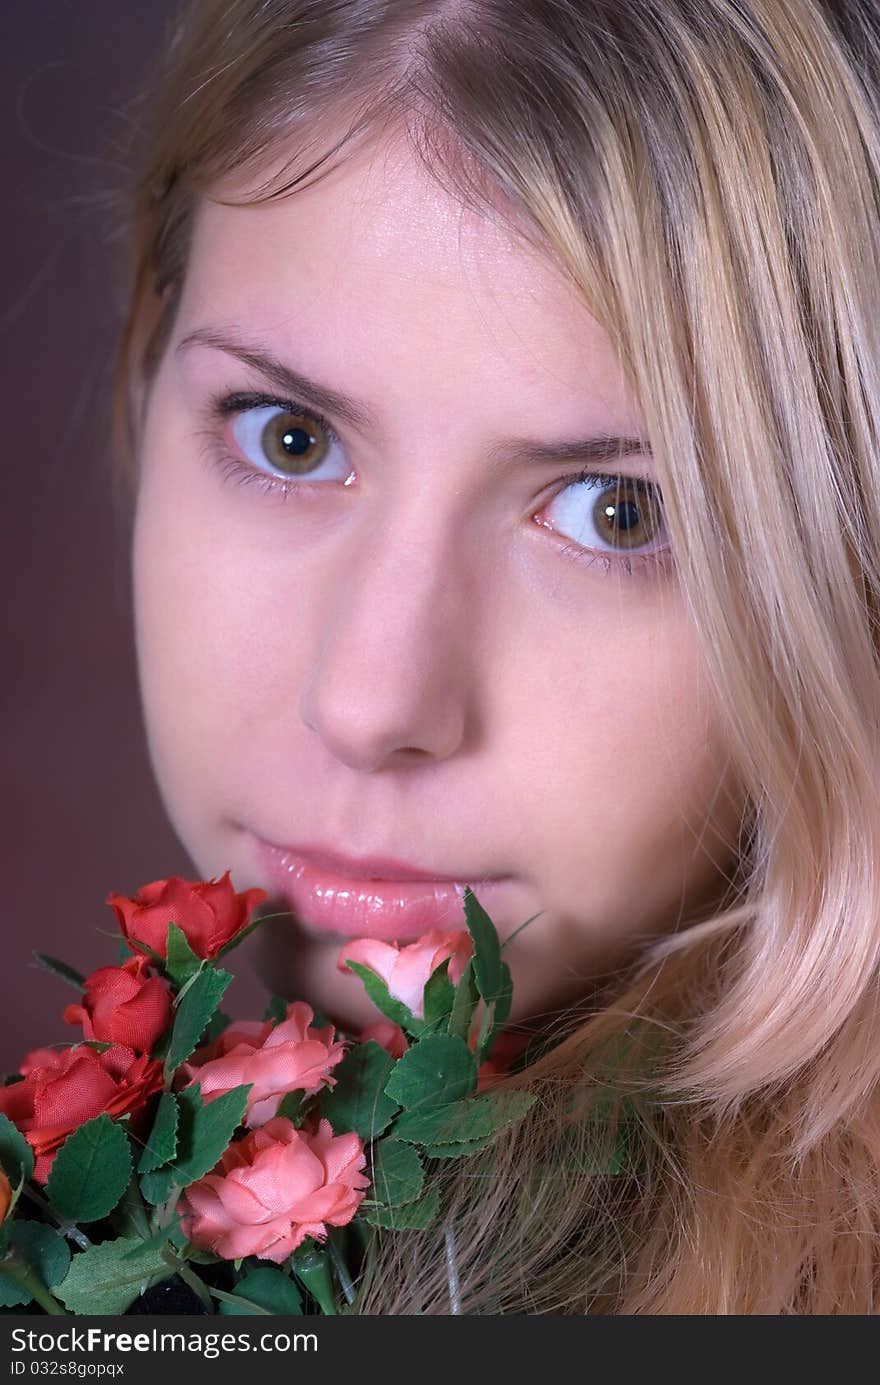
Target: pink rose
[(276, 1058), (405, 970), (274, 1188), (387, 1035), (210, 912)]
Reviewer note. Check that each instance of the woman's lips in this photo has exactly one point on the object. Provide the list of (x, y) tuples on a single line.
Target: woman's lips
[(387, 909)]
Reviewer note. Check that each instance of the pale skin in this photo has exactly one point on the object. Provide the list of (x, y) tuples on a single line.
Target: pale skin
[(398, 657)]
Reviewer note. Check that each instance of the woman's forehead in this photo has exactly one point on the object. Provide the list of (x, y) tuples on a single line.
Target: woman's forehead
[(377, 257)]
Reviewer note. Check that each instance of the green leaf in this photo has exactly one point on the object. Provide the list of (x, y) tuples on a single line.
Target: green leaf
[(397, 1175), (358, 1101), (16, 1155), (462, 1151), (11, 1293), (413, 1216), (267, 1288), (378, 993), (58, 968), (91, 1170), (158, 1238), (476, 1118), (203, 1132), (437, 1070), (464, 1004), (438, 995), (47, 1254), (45, 1250), (156, 1185), (161, 1145), (487, 949), (196, 1007), (106, 1279), (181, 962)]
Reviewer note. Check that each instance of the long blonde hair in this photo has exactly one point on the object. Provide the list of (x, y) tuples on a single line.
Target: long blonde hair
[(707, 172)]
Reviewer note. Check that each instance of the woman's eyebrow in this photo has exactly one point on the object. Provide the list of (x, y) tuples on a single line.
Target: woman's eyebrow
[(597, 448)]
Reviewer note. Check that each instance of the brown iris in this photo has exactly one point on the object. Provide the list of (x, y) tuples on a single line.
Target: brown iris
[(628, 513), (294, 442)]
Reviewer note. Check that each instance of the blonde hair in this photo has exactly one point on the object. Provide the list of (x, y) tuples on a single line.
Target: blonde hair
[(707, 173)]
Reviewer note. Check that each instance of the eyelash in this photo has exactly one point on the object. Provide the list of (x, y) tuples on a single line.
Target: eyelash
[(243, 474)]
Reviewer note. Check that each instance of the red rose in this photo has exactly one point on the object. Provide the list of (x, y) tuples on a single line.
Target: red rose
[(122, 1005), (210, 912), (79, 1083)]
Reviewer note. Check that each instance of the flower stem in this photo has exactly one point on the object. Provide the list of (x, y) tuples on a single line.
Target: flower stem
[(24, 1276), (189, 1277), (72, 1233), (342, 1273)]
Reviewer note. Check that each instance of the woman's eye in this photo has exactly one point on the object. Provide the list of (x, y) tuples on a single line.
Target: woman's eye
[(619, 518), (293, 443)]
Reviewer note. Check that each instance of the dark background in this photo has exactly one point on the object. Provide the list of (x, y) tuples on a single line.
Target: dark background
[(81, 814)]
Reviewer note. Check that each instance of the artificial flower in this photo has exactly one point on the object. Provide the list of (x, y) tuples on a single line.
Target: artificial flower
[(405, 970), (58, 1096), (123, 1005), (273, 1188), (275, 1058), (210, 912)]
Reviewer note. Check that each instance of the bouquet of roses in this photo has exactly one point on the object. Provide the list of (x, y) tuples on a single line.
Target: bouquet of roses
[(245, 1165)]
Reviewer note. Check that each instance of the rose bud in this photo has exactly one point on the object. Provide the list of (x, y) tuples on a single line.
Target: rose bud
[(405, 970), (123, 1005), (274, 1188), (210, 912)]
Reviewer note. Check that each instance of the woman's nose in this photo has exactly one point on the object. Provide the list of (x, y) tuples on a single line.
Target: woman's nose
[(390, 681)]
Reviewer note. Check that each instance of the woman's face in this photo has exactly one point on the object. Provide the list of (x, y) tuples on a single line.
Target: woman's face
[(427, 646)]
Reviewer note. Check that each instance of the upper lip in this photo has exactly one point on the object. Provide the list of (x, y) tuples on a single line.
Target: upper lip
[(366, 867)]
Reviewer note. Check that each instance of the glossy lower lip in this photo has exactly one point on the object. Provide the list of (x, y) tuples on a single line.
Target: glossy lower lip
[(386, 909)]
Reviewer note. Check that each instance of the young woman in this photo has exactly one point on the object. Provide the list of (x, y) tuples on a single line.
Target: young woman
[(500, 392)]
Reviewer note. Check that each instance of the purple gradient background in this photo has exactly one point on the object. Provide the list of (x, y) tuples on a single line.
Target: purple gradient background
[(81, 814)]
